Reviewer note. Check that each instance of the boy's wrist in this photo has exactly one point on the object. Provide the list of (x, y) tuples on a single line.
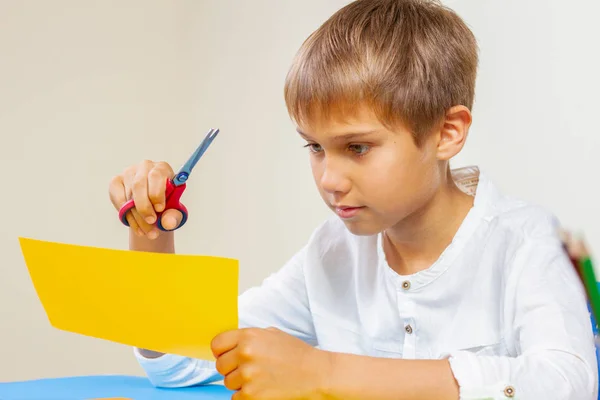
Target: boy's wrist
[(164, 243), (325, 369)]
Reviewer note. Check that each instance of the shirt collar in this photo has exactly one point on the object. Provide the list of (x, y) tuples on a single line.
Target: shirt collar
[(472, 181)]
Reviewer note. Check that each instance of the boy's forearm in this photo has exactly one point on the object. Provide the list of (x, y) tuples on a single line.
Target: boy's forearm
[(355, 377), (165, 243)]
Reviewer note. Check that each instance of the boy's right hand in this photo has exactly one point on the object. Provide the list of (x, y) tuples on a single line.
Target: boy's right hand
[(145, 183)]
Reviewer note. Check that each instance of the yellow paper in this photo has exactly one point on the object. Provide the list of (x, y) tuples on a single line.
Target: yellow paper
[(163, 302)]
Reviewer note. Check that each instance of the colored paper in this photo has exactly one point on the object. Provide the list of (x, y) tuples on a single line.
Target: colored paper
[(169, 303)]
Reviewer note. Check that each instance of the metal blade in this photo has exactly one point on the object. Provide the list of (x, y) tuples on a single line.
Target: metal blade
[(187, 168)]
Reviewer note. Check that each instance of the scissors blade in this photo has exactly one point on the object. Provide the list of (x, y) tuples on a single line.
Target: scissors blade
[(187, 168)]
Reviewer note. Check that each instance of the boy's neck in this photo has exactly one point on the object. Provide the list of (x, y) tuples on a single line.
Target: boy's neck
[(416, 243)]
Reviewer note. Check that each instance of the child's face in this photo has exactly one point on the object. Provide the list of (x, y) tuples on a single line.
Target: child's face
[(373, 178)]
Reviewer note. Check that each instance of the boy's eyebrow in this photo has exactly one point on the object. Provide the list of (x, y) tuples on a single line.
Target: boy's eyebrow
[(344, 137)]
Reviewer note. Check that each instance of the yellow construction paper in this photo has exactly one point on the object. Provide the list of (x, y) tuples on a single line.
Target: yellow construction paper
[(163, 302)]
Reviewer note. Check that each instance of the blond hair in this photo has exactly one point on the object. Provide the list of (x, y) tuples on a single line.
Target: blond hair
[(409, 60)]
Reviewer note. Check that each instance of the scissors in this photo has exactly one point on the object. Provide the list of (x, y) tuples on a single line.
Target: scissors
[(175, 186)]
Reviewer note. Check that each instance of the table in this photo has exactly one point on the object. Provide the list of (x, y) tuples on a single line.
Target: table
[(106, 387), (117, 386)]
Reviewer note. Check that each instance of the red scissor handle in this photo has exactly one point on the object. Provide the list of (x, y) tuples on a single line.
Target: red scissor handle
[(173, 195)]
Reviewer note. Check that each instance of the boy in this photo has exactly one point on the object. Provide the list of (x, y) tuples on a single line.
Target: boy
[(428, 283)]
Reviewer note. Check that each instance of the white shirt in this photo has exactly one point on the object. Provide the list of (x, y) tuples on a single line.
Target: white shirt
[(502, 303)]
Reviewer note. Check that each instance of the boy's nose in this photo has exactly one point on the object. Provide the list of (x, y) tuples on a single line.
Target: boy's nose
[(334, 180)]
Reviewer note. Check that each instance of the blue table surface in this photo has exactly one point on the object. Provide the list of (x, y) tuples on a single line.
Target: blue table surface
[(106, 386)]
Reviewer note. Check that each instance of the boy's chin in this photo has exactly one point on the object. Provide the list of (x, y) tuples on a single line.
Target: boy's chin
[(361, 227)]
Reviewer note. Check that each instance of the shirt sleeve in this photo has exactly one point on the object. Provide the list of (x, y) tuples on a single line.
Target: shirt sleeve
[(280, 301), (556, 356)]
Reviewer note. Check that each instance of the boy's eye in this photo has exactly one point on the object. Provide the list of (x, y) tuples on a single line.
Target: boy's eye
[(359, 148), (314, 147)]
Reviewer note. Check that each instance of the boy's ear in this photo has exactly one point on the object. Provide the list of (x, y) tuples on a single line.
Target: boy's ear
[(453, 132)]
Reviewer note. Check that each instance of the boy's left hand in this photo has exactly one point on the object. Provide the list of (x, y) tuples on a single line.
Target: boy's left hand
[(269, 364)]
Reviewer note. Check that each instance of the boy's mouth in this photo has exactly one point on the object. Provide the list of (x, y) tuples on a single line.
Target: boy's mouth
[(346, 212)]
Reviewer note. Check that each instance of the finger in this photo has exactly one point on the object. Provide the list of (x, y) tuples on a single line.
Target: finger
[(224, 342), (149, 230), (156, 188), (118, 195), (133, 225), (228, 362), (171, 219), (135, 221), (233, 381), (237, 396), (245, 393), (116, 191), (140, 194)]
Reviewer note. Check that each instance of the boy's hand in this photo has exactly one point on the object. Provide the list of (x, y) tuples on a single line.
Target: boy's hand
[(145, 183), (264, 364)]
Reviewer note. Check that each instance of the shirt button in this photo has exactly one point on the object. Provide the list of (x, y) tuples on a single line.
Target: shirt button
[(408, 329), (406, 285), (509, 391)]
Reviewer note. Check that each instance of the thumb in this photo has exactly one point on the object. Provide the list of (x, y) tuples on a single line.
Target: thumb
[(171, 219)]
